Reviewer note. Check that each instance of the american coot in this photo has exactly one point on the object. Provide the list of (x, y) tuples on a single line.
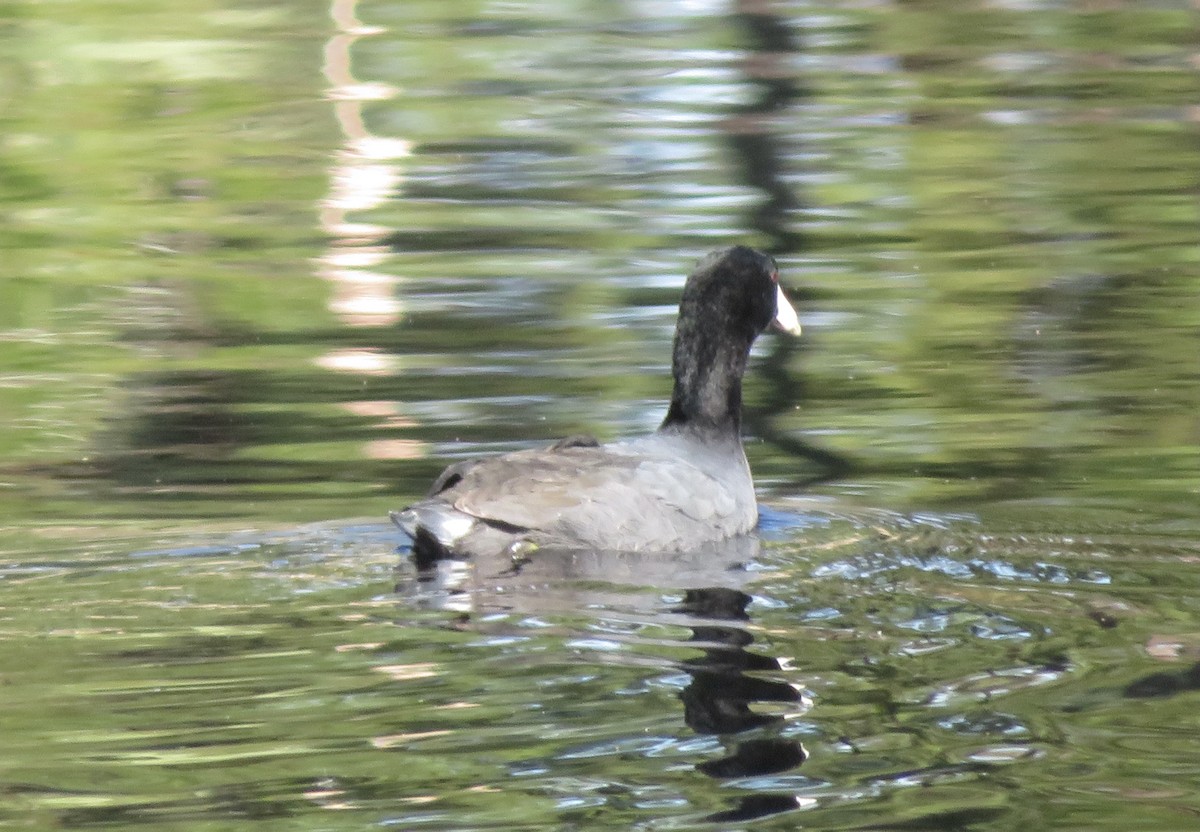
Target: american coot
[(686, 485)]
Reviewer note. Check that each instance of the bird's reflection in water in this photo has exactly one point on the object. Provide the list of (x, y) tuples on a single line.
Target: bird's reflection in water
[(726, 678), (718, 700)]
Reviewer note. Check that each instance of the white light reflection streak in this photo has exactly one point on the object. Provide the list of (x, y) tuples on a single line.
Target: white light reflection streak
[(364, 175)]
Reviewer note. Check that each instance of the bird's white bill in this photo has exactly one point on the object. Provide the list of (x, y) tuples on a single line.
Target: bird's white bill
[(785, 315)]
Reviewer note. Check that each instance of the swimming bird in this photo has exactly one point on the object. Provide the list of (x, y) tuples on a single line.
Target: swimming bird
[(686, 485)]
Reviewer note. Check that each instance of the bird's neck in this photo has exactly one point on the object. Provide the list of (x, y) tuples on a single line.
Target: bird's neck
[(708, 388)]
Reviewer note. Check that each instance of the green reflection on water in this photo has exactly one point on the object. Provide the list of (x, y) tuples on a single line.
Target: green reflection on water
[(1009, 322)]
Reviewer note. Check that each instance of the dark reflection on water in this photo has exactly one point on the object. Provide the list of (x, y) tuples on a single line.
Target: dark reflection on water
[(725, 680), (718, 700)]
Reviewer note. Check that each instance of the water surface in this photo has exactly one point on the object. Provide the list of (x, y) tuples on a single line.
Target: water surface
[(265, 272)]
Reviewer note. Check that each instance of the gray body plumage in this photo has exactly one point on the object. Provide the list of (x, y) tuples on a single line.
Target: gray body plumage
[(666, 491)]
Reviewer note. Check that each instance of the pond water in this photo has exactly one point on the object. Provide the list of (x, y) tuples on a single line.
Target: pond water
[(264, 271)]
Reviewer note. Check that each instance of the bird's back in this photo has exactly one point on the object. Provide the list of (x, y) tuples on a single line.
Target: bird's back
[(651, 494)]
